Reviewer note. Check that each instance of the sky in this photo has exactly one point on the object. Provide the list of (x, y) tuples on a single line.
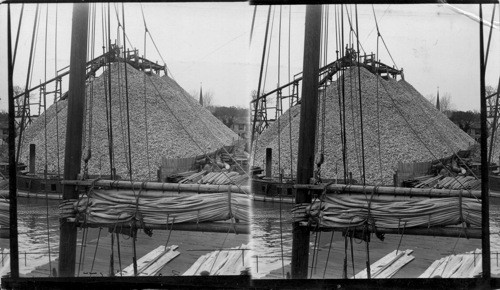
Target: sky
[(208, 44), (436, 45), (202, 44)]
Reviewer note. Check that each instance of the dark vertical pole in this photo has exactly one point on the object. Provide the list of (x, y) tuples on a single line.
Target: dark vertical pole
[(269, 162), (32, 158), (260, 77), (74, 127), (307, 134), (14, 251), (485, 202)]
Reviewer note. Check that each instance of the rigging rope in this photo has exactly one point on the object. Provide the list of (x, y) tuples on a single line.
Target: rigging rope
[(290, 96), (328, 255), (26, 95), (58, 89), (126, 96), (268, 57), (256, 110), (111, 141), (360, 103), (145, 99), (278, 103), (17, 36), (344, 135), (45, 138), (381, 37)]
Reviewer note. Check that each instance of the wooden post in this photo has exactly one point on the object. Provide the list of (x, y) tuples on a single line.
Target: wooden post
[(485, 202), (307, 135), (32, 158), (73, 150), (14, 250), (269, 162)]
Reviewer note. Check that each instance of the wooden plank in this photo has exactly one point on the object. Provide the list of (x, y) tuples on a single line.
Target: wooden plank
[(224, 262), (152, 262), (466, 265), (387, 266)]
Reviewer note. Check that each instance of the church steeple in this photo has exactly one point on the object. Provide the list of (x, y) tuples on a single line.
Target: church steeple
[(438, 106), (201, 96)]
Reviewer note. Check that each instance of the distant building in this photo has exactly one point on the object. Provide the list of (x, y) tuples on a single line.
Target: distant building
[(474, 131), (241, 126)]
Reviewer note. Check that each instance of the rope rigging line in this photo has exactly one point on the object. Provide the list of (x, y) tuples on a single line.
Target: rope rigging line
[(379, 143), (278, 102), (34, 51), (30, 62), (354, 32), (127, 97), (344, 135), (360, 103), (253, 24), (45, 139), (58, 89), (145, 99), (328, 255), (17, 36), (489, 37), (120, 110), (352, 254), (95, 251), (290, 98), (253, 142), (89, 108), (112, 255), (154, 44), (106, 79), (111, 137), (381, 37), (268, 57)]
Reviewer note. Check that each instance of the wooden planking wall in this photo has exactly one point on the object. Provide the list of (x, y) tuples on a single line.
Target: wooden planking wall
[(410, 170)]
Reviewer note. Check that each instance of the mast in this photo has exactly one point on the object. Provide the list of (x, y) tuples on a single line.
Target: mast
[(307, 135), (14, 250), (485, 202), (73, 150)]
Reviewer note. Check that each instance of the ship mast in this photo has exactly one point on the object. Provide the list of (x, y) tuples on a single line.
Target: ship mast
[(73, 150), (307, 135)]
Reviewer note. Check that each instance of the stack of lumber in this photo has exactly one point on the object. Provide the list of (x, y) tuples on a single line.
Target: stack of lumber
[(467, 265), (152, 263), (222, 178), (4, 213), (388, 265), (186, 177), (345, 212), (447, 182), (398, 143), (223, 262), (153, 208), (421, 181), (177, 126)]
